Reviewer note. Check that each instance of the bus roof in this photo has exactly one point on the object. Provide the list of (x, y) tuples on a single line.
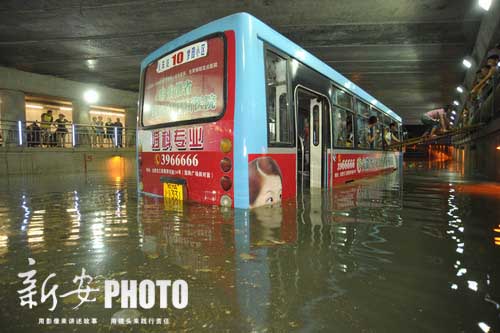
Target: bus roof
[(266, 33)]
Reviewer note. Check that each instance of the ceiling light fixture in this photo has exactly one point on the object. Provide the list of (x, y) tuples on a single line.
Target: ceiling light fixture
[(456, 103), (460, 89), (91, 63), (467, 63), (485, 4)]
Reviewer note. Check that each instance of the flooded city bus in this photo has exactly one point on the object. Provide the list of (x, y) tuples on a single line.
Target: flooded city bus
[(235, 114)]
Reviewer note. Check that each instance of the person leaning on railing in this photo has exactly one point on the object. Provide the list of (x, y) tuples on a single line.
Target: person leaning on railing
[(99, 131), (45, 124), (494, 51), (61, 129), (119, 132), (109, 132), (33, 135), (93, 133), (487, 71)]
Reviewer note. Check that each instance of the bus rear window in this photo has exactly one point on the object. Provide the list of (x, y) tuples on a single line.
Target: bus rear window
[(185, 85)]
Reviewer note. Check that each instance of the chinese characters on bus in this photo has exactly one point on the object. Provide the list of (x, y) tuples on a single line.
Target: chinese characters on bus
[(186, 84), (177, 139), (184, 55)]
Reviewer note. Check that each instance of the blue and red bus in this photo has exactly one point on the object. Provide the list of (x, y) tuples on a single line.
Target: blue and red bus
[(235, 114)]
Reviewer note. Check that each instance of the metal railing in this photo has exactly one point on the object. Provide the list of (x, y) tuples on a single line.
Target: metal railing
[(66, 135), (485, 106)]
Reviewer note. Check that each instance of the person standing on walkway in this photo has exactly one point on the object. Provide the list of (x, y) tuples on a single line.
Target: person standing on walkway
[(45, 125), (61, 129), (119, 132), (93, 133), (99, 131), (109, 125), (33, 134)]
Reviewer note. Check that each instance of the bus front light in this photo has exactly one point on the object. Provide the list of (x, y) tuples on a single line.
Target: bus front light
[(226, 145), (226, 183), (225, 164), (225, 201)]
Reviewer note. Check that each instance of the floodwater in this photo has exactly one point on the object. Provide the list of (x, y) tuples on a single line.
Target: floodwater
[(396, 253)]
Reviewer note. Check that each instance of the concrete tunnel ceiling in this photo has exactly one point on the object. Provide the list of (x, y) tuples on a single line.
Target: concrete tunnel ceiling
[(406, 53)]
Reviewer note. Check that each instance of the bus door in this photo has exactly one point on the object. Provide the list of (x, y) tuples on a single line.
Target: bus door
[(311, 146), (316, 142)]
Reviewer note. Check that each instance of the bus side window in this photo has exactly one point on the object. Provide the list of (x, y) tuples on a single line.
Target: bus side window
[(280, 121), (285, 135), (343, 99), (343, 119), (379, 128), (362, 124), (343, 132), (387, 132)]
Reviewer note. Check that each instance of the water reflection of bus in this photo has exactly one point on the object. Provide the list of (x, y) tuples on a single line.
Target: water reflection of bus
[(235, 114), (216, 237)]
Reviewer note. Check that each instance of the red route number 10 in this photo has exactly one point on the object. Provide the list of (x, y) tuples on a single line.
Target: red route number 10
[(178, 58)]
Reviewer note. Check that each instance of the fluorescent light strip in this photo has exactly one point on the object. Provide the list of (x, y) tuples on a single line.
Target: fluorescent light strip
[(106, 113), (106, 108), (34, 106)]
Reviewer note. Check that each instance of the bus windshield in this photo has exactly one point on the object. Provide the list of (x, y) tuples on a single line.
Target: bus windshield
[(185, 85)]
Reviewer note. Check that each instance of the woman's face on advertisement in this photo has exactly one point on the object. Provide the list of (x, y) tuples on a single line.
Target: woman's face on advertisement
[(270, 192)]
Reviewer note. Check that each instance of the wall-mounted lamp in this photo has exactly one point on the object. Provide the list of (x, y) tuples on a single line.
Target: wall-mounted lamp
[(90, 96)]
